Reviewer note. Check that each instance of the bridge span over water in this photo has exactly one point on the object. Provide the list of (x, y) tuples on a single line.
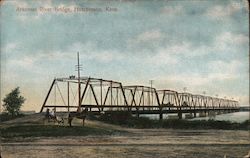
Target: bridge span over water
[(106, 96)]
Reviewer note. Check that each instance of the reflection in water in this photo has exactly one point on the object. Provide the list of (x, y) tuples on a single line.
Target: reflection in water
[(233, 117)]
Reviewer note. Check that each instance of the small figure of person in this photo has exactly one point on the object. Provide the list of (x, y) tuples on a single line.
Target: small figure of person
[(70, 119), (47, 114), (53, 114)]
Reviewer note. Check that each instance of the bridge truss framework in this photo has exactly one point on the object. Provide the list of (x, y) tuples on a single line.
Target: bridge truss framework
[(101, 95)]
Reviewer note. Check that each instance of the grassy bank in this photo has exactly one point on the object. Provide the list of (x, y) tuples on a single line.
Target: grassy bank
[(124, 119), (127, 120), (6, 116), (52, 131)]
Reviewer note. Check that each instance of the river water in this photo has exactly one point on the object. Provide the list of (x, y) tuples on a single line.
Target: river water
[(233, 117)]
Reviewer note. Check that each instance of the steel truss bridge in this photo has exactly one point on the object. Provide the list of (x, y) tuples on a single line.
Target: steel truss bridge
[(100, 95)]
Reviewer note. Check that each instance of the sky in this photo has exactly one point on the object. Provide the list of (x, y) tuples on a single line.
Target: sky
[(202, 45)]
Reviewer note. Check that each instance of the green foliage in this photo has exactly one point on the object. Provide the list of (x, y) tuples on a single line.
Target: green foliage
[(127, 120), (118, 117), (13, 102)]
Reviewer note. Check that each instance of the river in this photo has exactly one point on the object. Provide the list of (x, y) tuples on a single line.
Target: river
[(233, 117)]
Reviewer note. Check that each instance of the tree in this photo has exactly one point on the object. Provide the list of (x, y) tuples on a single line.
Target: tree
[(13, 102)]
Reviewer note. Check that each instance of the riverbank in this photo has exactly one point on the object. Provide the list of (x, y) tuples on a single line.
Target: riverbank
[(125, 119), (110, 124), (30, 136)]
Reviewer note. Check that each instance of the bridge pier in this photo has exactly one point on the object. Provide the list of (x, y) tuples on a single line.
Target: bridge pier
[(194, 113), (160, 114), (180, 115), (202, 114), (137, 115)]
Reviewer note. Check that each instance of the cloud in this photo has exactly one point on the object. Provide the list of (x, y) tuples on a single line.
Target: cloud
[(89, 51), (9, 47), (196, 79), (168, 55), (219, 12), (26, 62), (171, 54), (227, 40), (148, 37), (226, 68), (218, 71), (197, 83), (172, 10), (161, 58)]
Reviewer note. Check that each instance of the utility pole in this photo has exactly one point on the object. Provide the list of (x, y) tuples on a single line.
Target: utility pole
[(78, 68), (151, 86), (185, 89)]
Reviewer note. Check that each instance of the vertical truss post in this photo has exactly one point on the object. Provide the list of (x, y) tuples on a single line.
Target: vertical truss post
[(143, 98), (101, 93), (68, 94), (179, 106), (117, 101), (111, 95)]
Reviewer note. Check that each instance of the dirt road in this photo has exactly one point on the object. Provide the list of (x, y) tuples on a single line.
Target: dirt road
[(137, 143)]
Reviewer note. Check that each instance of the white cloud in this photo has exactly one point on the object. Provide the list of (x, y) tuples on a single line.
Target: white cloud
[(227, 40), (217, 71), (195, 79), (172, 10), (9, 48), (172, 53), (168, 55), (147, 37), (195, 83), (26, 62), (161, 58), (89, 51), (219, 12), (225, 68)]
